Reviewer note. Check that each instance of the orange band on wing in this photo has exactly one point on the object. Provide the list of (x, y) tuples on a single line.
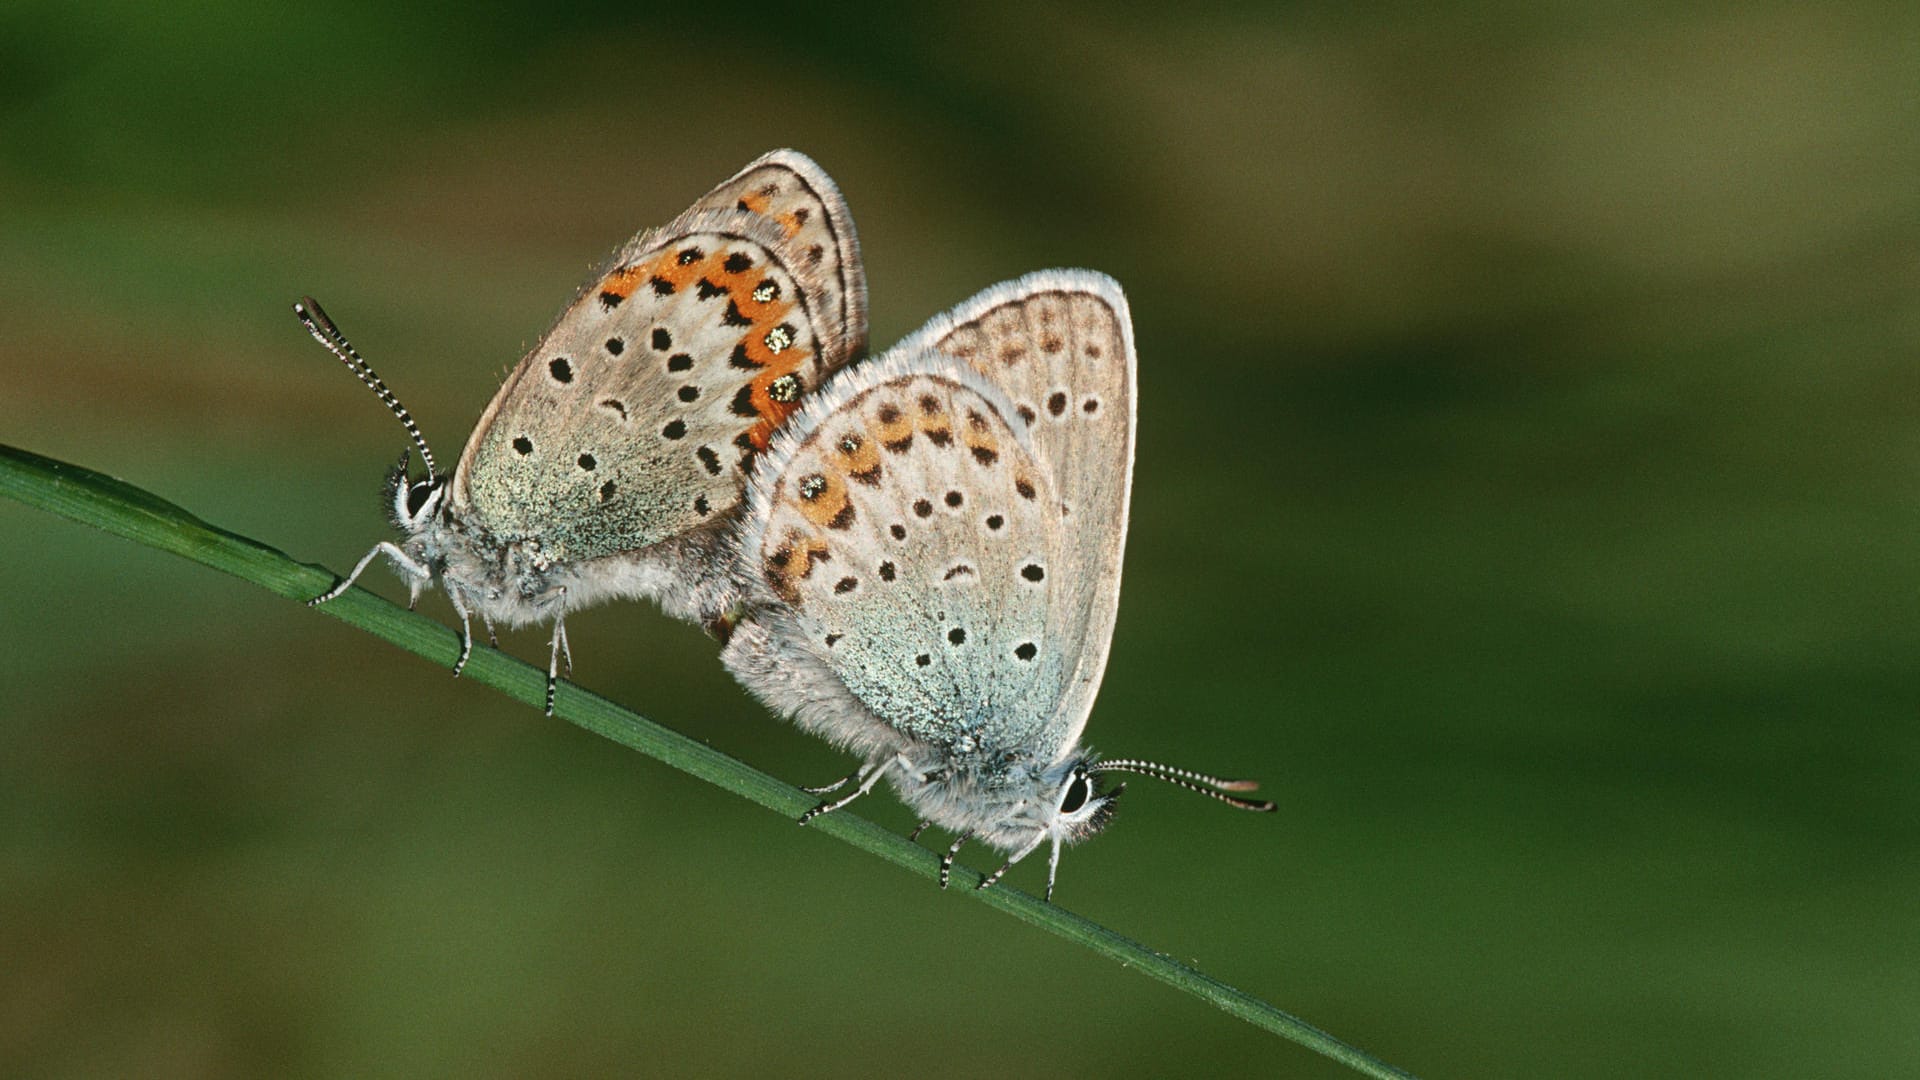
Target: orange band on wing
[(620, 283), (769, 343)]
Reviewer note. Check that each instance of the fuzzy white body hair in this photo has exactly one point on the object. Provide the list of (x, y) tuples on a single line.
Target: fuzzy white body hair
[(791, 682), (512, 582)]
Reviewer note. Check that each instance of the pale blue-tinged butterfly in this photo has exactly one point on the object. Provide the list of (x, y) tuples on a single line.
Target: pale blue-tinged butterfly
[(611, 463), (931, 560)]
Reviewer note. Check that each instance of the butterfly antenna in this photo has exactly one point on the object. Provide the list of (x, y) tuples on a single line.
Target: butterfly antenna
[(335, 342), (1211, 786)]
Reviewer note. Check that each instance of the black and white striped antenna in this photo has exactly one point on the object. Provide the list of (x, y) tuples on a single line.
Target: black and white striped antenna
[(1211, 786), (327, 334)]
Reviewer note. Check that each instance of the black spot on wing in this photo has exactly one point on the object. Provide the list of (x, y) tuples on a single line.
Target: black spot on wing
[(742, 404)]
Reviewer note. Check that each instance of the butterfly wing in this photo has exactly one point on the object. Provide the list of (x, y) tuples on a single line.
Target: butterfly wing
[(900, 540), (1059, 345), (787, 188), (633, 419)]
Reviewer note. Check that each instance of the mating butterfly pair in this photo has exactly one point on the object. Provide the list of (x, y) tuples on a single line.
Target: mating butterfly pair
[(916, 556)]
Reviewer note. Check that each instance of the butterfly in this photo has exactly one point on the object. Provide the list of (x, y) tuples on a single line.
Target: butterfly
[(931, 552), (612, 461)]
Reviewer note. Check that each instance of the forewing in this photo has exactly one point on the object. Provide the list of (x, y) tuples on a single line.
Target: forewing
[(1059, 344), (903, 524), (634, 418)]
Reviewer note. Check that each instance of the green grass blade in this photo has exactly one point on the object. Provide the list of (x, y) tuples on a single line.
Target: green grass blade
[(120, 508)]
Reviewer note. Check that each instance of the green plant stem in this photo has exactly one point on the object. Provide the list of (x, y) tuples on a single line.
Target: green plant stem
[(120, 508)]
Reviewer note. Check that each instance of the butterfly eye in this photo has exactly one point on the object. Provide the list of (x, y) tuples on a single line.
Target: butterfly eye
[(1076, 794), (417, 496)]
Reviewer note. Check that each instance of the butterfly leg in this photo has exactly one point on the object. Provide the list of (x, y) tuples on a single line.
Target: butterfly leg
[(946, 860), (493, 639), (553, 663), (466, 631), (918, 829), (413, 570), (866, 785), (1053, 868), (828, 789), (990, 879)]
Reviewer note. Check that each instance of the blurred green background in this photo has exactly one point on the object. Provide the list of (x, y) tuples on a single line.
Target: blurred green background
[(1529, 426)]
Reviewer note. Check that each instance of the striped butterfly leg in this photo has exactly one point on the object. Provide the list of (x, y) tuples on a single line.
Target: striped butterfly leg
[(994, 877), (417, 576), (946, 859), (866, 785), (415, 573), (828, 789), (466, 631), (561, 652)]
